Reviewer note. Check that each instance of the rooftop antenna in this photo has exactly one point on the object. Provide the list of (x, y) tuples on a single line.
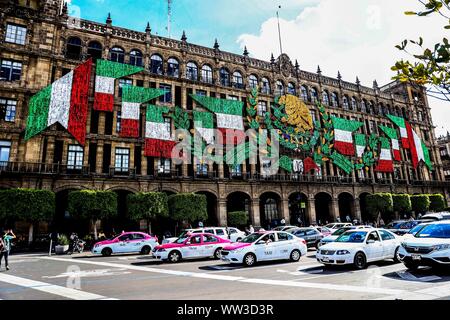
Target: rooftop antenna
[(279, 31), (169, 16)]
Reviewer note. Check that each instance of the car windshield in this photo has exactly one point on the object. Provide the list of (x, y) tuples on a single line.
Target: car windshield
[(416, 229), (394, 225), (251, 238), (181, 239), (352, 236), (441, 231), (340, 231)]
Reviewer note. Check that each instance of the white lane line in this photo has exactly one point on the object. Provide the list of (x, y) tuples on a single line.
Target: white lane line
[(51, 288), (324, 286)]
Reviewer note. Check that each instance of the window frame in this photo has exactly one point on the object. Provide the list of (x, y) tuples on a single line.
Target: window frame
[(22, 37)]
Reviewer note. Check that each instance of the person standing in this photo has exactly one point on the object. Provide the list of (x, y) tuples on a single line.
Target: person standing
[(6, 248)]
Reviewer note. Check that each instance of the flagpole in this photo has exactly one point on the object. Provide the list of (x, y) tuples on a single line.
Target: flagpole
[(279, 31)]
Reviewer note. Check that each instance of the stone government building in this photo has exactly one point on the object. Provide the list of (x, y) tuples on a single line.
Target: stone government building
[(39, 43)]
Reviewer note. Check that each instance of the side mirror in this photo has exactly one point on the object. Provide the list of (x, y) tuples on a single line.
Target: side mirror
[(370, 241)]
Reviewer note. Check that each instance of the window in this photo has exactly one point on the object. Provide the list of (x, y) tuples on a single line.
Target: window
[(119, 121), (291, 89), (200, 93), (75, 157), (5, 149), (11, 70), (117, 55), (345, 102), (123, 83), (167, 97), (220, 232), (173, 68), (8, 110), (266, 168), (209, 239), (265, 86), (270, 209), (234, 98), (373, 236), (354, 104), (304, 91), (163, 165), (262, 108), (236, 170), (202, 169), (279, 89), (156, 64), (136, 58), (363, 106), (224, 77), (237, 80), (252, 81), (283, 236), (334, 100), (122, 159), (73, 49), (385, 235), (325, 98), (138, 236), (314, 95), (15, 34), (420, 116), (192, 71), (95, 50), (207, 74), (313, 115), (372, 126)]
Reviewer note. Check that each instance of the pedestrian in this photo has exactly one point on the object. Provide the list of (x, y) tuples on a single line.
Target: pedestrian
[(200, 224), (283, 222), (54, 239), (381, 223), (6, 247), (348, 218)]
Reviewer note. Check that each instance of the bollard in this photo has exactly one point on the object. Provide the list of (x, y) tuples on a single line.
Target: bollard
[(50, 250)]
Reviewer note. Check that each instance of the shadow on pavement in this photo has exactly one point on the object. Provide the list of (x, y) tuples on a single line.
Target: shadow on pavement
[(423, 274)]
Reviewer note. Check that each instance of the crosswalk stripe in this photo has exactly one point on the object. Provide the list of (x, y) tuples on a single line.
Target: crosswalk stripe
[(51, 288)]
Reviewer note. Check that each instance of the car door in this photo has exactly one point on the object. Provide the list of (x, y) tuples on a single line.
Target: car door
[(283, 245), (266, 250), (136, 242), (122, 246), (389, 244), (193, 247), (375, 249), (311, 237), (210, 244)]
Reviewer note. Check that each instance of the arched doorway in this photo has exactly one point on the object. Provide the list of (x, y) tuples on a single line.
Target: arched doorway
[(298, 209), (64, 221), (165, 226), (211, 206), (323, 208), (365, 217), (270, 210), (239, 201), (346, 207), (121, 222)]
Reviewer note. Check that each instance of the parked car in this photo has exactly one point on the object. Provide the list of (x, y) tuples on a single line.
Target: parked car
[(402, 227), (359, 247), (312, 236), (337, 225), (265, 246), (230, 233), (332, 237), (436, 216), (429, 247), (126, 242), (324, 231), (191, 246), (283, 228), (413, 231)]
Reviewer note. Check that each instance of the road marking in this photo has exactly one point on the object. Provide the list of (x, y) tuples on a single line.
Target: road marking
[(325, 286), (51, 288), (435, 292), (90, 273)]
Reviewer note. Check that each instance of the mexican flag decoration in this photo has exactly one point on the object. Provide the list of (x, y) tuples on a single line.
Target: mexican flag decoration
[(64, 101), (361, 143), (204, 125), (105, 75), (401, 123), (158, 134), (426, 154), (385, 163), (415, 146), (229, 117), (343, 135), (309, 164), (392, 134), (132, 98)]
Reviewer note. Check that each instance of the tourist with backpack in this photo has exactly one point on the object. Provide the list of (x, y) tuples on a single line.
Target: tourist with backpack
[(5, 246)]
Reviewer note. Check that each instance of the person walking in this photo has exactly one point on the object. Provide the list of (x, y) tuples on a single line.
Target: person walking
[(6, 247)]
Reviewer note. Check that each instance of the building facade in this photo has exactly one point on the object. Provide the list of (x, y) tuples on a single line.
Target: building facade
[(40, 43), (444, 152)]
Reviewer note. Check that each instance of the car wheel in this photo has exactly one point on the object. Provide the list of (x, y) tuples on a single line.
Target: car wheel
[(360, 260), (249, 259), (218, 253), (316, 245), (396, 255), (145, 250), (295, 255), (174, 257), (106, 252), (411, 265)]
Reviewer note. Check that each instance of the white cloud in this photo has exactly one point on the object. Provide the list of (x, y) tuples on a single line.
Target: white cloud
[(356, 37)]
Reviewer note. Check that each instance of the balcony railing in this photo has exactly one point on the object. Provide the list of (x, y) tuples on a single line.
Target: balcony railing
[(42, 168)]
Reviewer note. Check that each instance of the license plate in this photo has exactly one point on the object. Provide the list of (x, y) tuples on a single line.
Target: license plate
[(416, 257), (326, 259)]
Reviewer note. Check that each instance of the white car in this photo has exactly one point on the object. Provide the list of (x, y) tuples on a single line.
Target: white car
[(128, 242), (265, 246), (430, 246), (332, 237), (233, 234), (337, 225), (359, 247)]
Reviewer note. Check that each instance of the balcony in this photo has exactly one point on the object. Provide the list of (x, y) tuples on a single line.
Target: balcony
[(13, 167)]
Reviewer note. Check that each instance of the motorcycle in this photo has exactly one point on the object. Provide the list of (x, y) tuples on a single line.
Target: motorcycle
[(77, 244)]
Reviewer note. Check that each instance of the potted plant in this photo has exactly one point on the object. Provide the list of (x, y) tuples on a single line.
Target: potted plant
[(63, 244)]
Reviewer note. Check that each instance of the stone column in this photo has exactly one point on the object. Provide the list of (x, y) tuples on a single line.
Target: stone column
[(50, 149), (334, 209), (222, 212), (255, 213), (357, 210), (311, 211), (285, 210), (221, 171), (99, 164)]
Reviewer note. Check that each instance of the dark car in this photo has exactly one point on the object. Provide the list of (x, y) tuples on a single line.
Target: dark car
[(402, 227), (311, 235)]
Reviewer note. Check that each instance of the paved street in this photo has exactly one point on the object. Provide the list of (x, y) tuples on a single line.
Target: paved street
[(85, 277)]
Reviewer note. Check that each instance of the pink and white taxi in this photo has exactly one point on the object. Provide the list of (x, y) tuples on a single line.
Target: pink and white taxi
[(127, 242), (265, 246), (191, 246)]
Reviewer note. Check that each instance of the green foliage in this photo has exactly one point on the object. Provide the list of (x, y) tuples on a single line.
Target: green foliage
[(379, 203), (27, 204), (147, 205), (402, 203), (92, 204), (63, 240), (420, 203), (181, 119), (188, 207), (237, 218), (430, 66), (437, 202)]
